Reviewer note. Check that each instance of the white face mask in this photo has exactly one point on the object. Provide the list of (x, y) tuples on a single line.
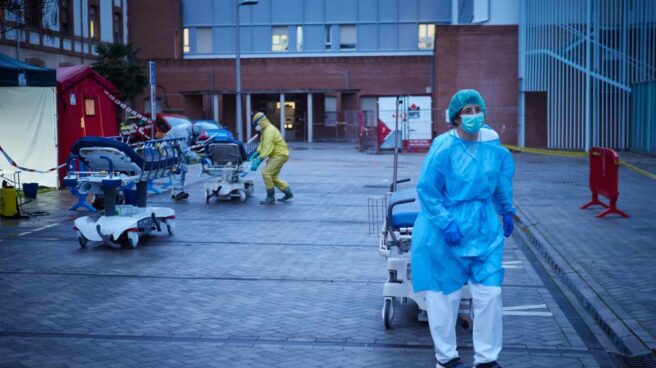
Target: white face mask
[(258, 128)]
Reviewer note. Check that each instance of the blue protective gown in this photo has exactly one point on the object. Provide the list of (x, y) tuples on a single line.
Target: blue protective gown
[(469, 183)]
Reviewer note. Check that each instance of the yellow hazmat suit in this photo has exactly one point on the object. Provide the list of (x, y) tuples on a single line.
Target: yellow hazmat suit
[(272, 146)]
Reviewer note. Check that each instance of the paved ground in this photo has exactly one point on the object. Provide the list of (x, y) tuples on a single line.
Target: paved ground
[(241, 285), (613, 257)]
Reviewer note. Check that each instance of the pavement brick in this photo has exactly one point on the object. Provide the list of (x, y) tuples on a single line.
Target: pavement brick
[(241, 285)]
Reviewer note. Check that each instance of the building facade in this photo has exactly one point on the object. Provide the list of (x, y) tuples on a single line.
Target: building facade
[(320, 66), (54, 33), (587, 69)]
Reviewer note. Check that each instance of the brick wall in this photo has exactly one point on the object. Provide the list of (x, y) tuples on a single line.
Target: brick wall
[(484, 58), (155, 27)]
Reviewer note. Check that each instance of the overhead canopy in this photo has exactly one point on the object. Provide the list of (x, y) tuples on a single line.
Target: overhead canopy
[(33, 76)]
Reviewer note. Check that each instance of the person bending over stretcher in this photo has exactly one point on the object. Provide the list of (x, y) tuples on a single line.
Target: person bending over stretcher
[(178, 178), (272, 147)]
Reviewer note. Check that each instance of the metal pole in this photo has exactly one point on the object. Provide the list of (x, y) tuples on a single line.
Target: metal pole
[(310, 122), (249, 115), (396, 144), (240, 132), (153, 103), (588, 55), (521, 129)]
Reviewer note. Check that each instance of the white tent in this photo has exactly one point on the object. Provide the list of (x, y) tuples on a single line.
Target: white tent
[(28, 119)]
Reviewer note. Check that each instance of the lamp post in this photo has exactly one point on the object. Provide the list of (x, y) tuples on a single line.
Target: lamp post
[(240, 132)]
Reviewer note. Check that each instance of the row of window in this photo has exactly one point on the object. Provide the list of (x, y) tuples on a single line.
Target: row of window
[(280, 38), (66, 19)]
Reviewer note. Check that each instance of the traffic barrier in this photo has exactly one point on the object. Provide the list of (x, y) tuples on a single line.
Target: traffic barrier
[(577, 154), (604, 178)]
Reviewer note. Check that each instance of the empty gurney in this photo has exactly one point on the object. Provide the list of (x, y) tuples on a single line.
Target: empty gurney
[(225, 158), (111, 165), (396, 245)]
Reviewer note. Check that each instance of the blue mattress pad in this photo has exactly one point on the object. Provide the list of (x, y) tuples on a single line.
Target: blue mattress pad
[(152, 162), (405, 214)]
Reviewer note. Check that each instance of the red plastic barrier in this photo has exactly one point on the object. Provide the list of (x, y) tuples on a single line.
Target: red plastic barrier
[(604, 177)]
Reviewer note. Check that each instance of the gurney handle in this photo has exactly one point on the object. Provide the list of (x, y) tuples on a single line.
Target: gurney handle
[(111, 165), (397, 182)]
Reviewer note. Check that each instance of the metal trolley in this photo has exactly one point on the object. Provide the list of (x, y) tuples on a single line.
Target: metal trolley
[(111, 165)]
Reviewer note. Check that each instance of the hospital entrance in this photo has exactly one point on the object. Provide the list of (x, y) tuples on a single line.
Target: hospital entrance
[(290, 119)]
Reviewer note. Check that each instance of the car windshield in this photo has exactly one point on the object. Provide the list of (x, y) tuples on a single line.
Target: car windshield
[(175, 121), (204, 125)]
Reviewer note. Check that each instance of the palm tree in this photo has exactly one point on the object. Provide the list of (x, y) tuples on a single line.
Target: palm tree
[(118, 63)]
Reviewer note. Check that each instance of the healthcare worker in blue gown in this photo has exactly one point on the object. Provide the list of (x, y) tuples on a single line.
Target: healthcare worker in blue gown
[(465, 192)]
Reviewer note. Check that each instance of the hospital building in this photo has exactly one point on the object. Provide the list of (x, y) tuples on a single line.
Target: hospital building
[(327, 68)]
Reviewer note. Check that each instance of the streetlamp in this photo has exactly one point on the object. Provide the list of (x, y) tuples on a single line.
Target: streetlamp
[(240, 130)]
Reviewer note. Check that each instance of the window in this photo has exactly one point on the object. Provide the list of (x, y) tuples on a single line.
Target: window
[(94, 34), (65, 17), (34, 13), (204, 40), (89, 107), (329, 38), (185, 40), (279, 38), (426, 36), (347, 37), (118, 28), (299, 38)]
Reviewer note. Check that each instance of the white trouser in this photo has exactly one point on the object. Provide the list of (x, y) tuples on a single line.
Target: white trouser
[(178, 179), (488, 329)]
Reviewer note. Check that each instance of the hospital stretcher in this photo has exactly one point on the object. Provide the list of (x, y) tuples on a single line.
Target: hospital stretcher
[(395, 244), (110, 165), (228, 162)]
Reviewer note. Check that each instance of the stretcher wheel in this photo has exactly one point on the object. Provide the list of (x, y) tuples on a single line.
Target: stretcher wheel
[(388, 312), (82, 240), (242, 195), (133, 238), (170, 226)]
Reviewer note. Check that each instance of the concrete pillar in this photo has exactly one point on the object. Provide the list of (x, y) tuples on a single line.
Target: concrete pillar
[(310, 119), (215, 107), (282, 115), (249, 115)]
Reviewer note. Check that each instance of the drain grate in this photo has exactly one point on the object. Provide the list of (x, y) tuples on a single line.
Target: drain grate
[(635, 361)]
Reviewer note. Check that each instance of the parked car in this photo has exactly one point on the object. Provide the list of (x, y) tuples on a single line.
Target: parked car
[(163, 123), (203, 129)]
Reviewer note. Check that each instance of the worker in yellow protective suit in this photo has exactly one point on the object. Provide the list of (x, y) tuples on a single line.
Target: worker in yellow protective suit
[(272, 147)]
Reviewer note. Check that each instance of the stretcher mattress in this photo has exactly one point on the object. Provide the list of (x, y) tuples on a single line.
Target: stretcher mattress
[(151, 162), (404, 215)]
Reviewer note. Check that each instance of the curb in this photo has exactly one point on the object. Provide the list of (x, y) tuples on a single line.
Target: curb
[(620, 334)]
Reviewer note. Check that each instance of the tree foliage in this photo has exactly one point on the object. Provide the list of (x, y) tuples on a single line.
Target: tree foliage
[(118, 63)]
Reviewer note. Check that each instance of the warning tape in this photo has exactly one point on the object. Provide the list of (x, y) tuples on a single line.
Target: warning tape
[(127, 108), (131, 111), (576, 154), (119, 103), (14, 164)]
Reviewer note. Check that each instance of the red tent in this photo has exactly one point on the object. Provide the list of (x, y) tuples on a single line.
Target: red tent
[(83, 108)]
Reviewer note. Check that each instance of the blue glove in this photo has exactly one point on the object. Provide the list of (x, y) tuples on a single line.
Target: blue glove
[(256, 163), (254, 155), (452, 234), (508, 224)]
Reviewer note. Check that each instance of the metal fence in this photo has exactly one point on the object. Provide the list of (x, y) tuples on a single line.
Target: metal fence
[(643, 118), (586, 55)]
